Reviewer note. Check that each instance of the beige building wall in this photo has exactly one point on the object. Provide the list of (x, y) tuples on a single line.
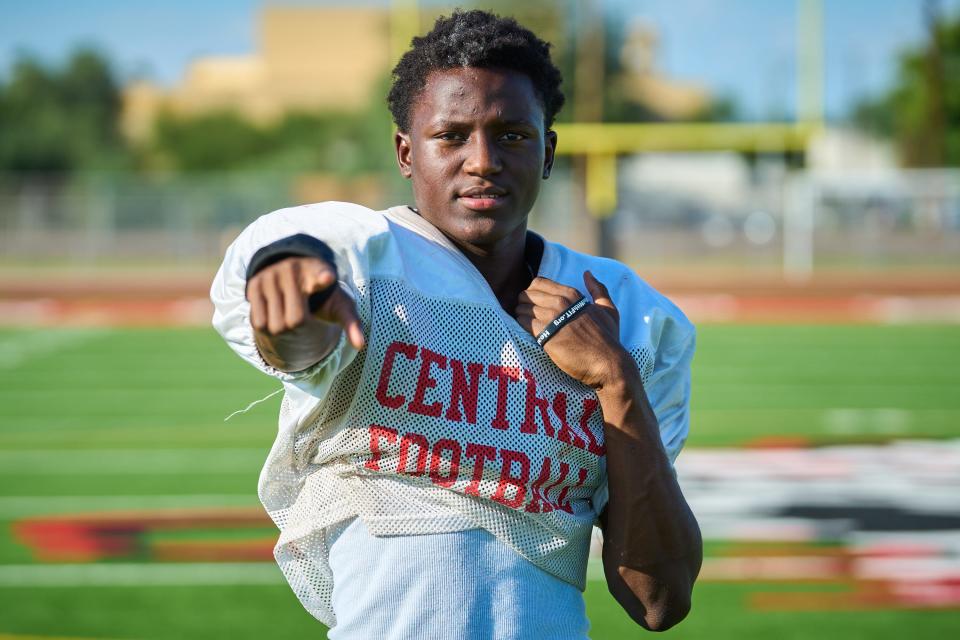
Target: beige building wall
[(328, 58), (645, 84), (309, 58)]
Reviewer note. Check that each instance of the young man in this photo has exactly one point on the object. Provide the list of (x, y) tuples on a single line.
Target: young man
[(464, 399)]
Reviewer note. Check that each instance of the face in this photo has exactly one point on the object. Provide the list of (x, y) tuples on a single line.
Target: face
[(476, 152)]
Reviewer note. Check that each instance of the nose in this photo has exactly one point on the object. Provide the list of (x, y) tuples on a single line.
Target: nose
[(483, 157)]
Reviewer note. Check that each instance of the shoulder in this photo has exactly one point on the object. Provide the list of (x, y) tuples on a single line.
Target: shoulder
[(350, 230), (322, 219), (358, 236), (647, 315)]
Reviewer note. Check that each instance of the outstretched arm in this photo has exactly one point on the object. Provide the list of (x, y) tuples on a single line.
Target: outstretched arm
[(652, 547)]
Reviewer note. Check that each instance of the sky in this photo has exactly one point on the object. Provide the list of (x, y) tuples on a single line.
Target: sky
[(744, 49)]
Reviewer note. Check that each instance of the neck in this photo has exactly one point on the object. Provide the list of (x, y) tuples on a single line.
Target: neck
[(503, 265)]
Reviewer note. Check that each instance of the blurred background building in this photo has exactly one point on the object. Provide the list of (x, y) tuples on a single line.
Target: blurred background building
[(308, 59)]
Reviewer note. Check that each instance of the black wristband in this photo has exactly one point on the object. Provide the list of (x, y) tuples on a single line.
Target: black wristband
[(301, 245), (557, 323)]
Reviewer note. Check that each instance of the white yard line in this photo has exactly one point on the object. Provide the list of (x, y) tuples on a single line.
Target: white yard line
[(140, 574), (23, 346), (130, 461), (19, 506)]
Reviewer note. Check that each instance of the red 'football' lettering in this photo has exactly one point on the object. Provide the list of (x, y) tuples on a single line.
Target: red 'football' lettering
[(444, 469), (507, 478), (437, 460), (480, 453), (537, 501), (589, 406), (564, 470), (565, 506), (376, 433), (424, 448)]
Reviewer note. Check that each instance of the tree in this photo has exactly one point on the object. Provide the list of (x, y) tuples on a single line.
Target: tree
[(345, 144), (922, 110), (212, 141), (59, 120)]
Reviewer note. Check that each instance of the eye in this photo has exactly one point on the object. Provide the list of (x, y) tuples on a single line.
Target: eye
[(450, 136), (513, 136)]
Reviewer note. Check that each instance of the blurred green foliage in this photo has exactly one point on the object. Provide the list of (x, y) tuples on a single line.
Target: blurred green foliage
[(922, 110), (340, 143), (60, 120)]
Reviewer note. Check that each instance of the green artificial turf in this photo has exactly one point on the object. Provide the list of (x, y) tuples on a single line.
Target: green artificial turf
[(124, 419)]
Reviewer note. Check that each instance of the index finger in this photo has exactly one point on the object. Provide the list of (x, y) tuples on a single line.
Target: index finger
[(555, 288), (344, 311), (318, 276)]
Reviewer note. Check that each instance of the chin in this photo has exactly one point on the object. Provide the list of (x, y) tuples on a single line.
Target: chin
[(484, 231)]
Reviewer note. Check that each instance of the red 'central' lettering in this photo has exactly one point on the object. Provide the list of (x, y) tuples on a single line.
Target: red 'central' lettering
[(408, 350), (566, 434), (503, 376), (462, 390), (534, 404), (424, 381), (464, 382)]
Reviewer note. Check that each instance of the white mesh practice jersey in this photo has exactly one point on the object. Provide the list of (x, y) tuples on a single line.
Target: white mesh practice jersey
[(452, 417)]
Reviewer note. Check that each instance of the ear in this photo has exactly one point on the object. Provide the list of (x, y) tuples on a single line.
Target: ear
[(401, 144), (549, 152)]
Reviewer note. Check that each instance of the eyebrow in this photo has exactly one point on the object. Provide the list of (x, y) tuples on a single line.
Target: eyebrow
[(446, 123)]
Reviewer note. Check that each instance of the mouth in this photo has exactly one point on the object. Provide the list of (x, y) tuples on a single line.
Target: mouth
[(482, 198)]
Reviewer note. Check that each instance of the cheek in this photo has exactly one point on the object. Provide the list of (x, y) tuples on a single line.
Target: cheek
[(429, 187), (430, 165)]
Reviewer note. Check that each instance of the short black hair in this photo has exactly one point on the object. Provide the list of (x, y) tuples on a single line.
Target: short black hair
[(475, 39)]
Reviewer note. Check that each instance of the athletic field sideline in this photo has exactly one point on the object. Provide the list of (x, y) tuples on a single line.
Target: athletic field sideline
[(131, 421)]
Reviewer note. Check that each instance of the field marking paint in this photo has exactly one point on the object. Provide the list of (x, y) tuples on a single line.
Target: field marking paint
[(131, 461), (22, 346), (18, 506), (7, 636), (141, 574), (886, 421)]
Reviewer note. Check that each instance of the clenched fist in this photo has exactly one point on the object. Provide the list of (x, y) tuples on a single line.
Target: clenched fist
[(280, 295), (587, 347)]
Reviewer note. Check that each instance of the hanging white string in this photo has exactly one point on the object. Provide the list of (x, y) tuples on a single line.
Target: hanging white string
[(253, 404)]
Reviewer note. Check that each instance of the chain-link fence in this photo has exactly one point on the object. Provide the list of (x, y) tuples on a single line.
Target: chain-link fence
[(698, 210)]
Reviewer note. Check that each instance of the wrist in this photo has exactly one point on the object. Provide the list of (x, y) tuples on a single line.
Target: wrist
[(620, 379), (298, 245)]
